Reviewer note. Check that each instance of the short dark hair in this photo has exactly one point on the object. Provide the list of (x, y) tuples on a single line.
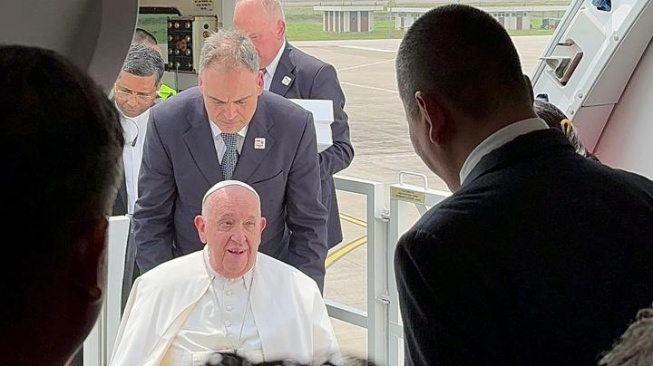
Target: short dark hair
[(144, 37), (62, 143), (635, 346), (143, 61), (461, 54)]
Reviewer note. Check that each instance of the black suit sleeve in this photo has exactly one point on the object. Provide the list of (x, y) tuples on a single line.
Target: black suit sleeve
[(306, 215)]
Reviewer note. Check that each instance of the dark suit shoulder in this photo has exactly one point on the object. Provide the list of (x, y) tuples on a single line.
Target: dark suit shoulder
[(278, 109), (307, 66), (307, 62), (177, 103)]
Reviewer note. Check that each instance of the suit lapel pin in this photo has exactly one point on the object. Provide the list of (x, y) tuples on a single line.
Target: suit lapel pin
[(259, 143), (286, 80)]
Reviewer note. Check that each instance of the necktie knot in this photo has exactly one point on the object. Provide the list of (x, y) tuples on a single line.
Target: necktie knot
[(230, 140), (230, 157)]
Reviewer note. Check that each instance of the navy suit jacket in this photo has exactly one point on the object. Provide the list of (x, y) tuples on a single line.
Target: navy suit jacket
[(180, 164), (311, 78), (542, 257)]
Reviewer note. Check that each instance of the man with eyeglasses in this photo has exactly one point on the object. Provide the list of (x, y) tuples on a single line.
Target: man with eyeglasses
[(134, 93)]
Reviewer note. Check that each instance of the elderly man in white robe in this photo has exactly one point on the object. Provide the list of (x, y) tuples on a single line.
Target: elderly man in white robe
[(227, 297)]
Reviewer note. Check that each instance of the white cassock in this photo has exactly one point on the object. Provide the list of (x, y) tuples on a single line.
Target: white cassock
[(177, 315)]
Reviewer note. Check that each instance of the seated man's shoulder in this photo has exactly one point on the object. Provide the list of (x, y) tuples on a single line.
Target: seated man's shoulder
[(276, 269), (176, 271)]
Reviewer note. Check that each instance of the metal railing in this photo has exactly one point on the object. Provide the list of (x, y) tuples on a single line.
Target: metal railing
[(384, 228)]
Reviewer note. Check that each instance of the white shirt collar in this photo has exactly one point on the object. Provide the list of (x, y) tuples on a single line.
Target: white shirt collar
[(498, 139), (246, 278), (216, 130), (272, 67)]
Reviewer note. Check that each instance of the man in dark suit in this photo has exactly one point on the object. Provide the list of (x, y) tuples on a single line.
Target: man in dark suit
[(228, 128), (294, 74), (540, 256)]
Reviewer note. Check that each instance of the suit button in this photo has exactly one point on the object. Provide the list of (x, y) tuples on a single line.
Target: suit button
[(227, 324), (229, 293), (229, 307)]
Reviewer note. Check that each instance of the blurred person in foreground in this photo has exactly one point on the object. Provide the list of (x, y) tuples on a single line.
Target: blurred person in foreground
[(63, 151), (540, 256), (230, 359)]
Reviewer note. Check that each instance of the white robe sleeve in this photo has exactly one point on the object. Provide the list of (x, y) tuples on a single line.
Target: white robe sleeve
[(325, 343), (135, 338)]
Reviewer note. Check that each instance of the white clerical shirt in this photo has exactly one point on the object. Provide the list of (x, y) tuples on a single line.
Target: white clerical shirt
[(134, 130), (169, 306), (215, 324)]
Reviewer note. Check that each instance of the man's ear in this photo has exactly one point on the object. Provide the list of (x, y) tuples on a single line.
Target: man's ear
[(200, 226), (91, 259), (281, 29), (434, 117), (260, 83), (529, 86)]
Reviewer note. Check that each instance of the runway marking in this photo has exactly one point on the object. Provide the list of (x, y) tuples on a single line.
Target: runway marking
[(369, 49), (347, 248), (364, 65), (353, 220), (370, 87)]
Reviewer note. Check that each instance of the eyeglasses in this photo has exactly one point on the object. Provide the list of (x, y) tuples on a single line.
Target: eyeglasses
[(123, 93)]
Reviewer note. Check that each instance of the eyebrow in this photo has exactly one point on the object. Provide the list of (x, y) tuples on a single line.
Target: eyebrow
[(235, 101)]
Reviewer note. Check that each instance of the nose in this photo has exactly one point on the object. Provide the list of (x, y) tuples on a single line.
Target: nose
[(131, 100), (238, 235), (230, 111)]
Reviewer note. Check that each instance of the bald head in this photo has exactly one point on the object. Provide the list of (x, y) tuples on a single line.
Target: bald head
[(264, 22), (463, 55)]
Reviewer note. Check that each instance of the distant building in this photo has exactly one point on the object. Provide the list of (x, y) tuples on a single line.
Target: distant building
[(511, 17), (354, 18)]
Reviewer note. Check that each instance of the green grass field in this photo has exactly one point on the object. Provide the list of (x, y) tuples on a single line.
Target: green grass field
[(305, 24)]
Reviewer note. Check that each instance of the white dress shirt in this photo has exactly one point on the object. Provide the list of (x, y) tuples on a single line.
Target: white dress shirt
[(272, 67), (221, 321), (498, 139), (218, 141), (134, 130)]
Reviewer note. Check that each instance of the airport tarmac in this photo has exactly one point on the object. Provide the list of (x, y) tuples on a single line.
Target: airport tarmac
[(382, 147)]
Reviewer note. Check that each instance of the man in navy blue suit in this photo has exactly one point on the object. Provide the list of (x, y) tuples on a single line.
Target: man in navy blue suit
[(294, 74), (229, 128), (540, 256)]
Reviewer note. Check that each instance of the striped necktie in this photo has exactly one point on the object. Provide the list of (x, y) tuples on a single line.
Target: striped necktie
[(230, 157)]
